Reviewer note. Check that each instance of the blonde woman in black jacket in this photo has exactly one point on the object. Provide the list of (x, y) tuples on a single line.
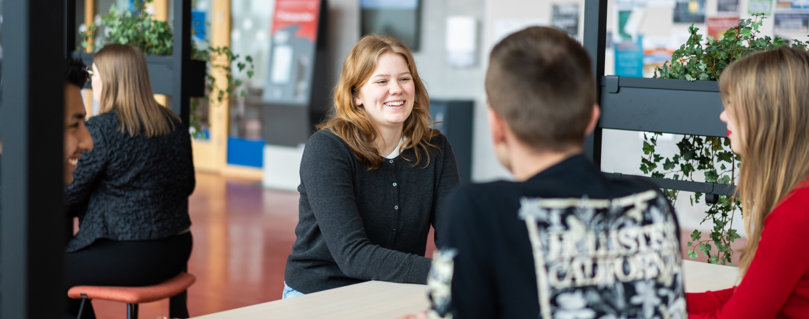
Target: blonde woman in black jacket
[(131, 191)]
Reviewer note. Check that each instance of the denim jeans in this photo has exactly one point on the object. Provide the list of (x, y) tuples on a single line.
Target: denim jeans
[(289, 292)]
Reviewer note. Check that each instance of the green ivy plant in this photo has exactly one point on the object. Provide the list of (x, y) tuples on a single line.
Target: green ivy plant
[(705, 156), (220, 58), (155, 37), (705, 59), (136, 28), (700, 156)]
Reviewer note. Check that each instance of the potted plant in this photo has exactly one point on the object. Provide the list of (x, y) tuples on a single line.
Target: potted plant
[(155, 38), (701, 59)]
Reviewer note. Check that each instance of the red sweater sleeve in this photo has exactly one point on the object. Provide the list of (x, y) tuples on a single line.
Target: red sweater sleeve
[(708, 301), (775, 273)]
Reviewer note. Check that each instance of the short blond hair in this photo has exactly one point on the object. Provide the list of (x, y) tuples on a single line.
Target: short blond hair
[(540, 82)]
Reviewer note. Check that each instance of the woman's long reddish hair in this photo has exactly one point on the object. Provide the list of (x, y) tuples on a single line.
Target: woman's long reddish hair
[(354, 125)]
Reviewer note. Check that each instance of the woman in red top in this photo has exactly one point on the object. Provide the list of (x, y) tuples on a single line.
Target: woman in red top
[(766, 101)]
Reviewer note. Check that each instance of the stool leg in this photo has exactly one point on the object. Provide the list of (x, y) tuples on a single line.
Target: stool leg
[(177, 305), (131, 311), (81, 306), (86, 308)]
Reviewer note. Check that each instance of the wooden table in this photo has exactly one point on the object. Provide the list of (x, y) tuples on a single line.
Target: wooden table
[(700, 277), (372, 300), (379, 300)]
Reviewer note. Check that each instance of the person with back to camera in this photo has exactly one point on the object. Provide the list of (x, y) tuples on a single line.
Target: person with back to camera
[(372, 177), (766, 111), (131, 191), (563, 240)]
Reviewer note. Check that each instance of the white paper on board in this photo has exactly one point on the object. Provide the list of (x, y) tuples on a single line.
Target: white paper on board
[(461, 41), (281, 64)]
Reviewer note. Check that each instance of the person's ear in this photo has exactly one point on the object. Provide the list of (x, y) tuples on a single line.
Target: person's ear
[(357, 95), (595, 114), (496, 125)]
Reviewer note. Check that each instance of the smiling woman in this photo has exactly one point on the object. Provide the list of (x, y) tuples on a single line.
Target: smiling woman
[(375, 61), (388, 99), (372, 179)]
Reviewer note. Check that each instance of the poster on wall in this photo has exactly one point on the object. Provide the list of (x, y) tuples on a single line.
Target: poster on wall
[(791, 25), (461, 44), (727, 6), (783, 5), (629, 58), (566, 17), (717, 25), (689, 11), (621, 22), (791, 5), (292, 58), (800, 4), (760, 6)]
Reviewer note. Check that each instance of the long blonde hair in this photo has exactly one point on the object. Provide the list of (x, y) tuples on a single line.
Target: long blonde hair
[(767, 95), (125, 88), (354, 125)]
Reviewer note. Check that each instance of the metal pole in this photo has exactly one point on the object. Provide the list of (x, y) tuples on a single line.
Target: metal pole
[(31, 224), (181, 59), (594, 41)]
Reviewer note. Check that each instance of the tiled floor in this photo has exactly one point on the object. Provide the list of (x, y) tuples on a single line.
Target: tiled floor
[(242, 235)]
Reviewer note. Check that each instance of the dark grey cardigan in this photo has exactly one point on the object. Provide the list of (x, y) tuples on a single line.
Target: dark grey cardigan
[(131, 188), (357, 225)]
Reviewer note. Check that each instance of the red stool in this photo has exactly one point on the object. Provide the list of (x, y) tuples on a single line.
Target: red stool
[(174, 289)]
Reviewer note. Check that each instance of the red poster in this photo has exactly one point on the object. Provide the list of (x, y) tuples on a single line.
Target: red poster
[(303, 13), (292, 57), (717, 25)]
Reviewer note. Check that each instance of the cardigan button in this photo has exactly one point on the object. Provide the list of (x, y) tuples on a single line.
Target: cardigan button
[(396, 207), (394, 184), (390, 161)]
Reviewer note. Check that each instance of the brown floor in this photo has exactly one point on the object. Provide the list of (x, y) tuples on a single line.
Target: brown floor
[(242, 235)]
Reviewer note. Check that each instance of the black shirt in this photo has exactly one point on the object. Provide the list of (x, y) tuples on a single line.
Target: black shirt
[(569, 242), (357, 224)]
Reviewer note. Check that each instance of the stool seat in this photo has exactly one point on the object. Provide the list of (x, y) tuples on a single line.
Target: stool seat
[(135, 295)]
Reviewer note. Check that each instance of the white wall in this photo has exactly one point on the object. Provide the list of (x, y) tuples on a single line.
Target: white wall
[(503, 17)]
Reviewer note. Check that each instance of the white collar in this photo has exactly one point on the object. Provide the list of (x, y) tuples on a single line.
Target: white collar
[(395, 152)]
